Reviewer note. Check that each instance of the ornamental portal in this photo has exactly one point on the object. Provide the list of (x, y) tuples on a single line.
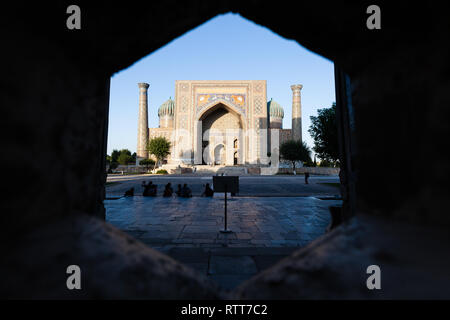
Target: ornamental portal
[(219, 123)]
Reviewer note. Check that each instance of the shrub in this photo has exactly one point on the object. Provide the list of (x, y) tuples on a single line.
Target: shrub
[(326, 163), (161, 171), (147, 163)]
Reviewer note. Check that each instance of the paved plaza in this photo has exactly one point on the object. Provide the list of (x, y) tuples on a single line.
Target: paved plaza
[(264, 229)]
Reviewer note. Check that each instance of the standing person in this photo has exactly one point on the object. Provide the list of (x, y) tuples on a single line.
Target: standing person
[(306, 177)]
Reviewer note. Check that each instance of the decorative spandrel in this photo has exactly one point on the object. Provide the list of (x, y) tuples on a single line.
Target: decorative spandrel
[(236, 100)]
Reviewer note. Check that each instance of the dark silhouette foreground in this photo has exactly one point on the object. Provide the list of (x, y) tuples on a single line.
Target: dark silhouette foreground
[(185, 192), (129, 193), (168, 191), (208, 191), (150, 189)]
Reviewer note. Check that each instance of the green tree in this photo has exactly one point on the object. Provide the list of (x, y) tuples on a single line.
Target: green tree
[(115, 155), (293, 151), (124, 156), (112, 165), (325, 163), (159, 147), (323, 130), (147, 163), (113, 159), (309, 163), (124, 159)]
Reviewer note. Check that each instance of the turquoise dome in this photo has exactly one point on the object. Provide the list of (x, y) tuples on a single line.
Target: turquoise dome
[(275, 109), (167, 108)]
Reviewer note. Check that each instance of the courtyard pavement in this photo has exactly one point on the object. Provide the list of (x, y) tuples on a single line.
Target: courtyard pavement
[(265, 229), (257, 186)]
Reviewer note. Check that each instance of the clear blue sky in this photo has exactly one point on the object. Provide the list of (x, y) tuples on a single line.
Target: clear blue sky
[(227, 47)]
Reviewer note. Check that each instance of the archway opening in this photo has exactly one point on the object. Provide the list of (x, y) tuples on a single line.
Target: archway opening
[(220, 125), (219, 154)]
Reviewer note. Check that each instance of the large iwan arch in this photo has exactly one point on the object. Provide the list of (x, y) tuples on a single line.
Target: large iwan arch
[(221, 123)]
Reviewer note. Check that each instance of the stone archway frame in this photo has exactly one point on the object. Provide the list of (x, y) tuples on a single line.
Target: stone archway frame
[(198, 134)]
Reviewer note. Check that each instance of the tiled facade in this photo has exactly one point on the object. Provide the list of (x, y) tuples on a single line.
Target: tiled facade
[(221, 122)]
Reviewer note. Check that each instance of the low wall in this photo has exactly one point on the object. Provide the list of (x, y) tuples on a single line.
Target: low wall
[(312, 170), (130, 169), (250, 170)]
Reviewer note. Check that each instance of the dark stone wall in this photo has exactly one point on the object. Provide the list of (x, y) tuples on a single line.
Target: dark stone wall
[(55, 120), (400, 76), (55, 90)]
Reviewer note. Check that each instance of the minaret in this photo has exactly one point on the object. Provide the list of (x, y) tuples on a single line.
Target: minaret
[(142, 141), (296, 112)]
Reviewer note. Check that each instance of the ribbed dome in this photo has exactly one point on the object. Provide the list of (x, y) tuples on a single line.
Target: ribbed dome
[(167, 108), (275, 110)]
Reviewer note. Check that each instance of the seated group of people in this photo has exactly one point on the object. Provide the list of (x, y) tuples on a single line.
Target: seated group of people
[(184, 192), (151, 190)]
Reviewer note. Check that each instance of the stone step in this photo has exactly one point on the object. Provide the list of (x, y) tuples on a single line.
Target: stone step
[(205, 169), (228, 170)]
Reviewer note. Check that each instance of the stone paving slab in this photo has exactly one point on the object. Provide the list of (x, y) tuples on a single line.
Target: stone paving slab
[(258, 222), (229, 281), (228, 266), (265, 230), (232, 265), (196, 221)]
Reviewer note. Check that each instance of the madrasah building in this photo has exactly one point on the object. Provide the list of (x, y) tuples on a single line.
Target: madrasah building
[(226, 123)]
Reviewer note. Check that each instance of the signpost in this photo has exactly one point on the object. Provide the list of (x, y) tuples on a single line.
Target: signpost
[(226, 184)]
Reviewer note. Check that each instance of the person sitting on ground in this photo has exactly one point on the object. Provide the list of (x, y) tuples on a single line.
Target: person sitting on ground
[(144, 185), (178, 192), (129, 193), (208, 191), (150, 190), (186, 191), (153, 190), (168, 191)]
